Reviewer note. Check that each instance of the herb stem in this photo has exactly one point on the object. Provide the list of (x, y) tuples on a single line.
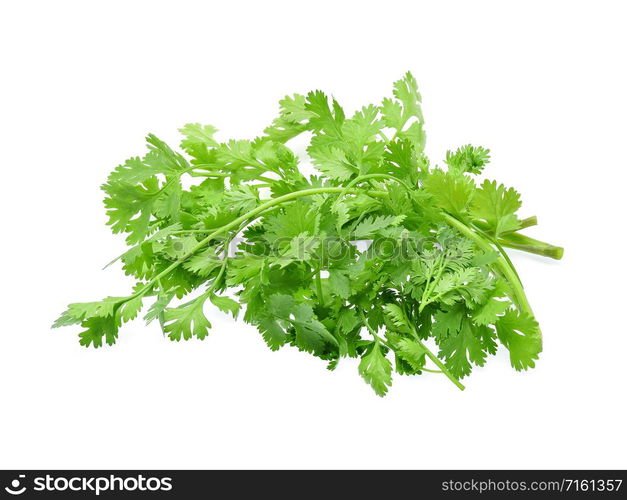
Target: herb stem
[(319, 287), (372, 332), (502, 265), (208, 174), (528, 222), (361, 178), (531, 245), (440, 365), (435, 359), (430, 370), (243, 218), (430, 287), (219, 276), (431, 356)]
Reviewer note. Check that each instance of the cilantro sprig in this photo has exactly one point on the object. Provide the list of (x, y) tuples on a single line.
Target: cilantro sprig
[(380, 257)]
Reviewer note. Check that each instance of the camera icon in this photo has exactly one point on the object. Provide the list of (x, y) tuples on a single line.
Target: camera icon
[(15, 489)]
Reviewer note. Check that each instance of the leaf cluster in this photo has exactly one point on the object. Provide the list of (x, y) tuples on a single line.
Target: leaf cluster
[(379, 257)]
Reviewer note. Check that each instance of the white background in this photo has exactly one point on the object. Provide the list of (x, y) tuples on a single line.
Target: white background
[(542, 84)]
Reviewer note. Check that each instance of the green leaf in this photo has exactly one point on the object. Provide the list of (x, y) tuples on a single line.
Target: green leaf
[(416, 135), (225, 304), (340, 209), (348, 320), (322, 117), (273, 334), (236, 154), (290, 121), (412, 352), (469, 345), (311, 334), (398, 318), (159, 160), (362, 128), (450, 192), (401, 160), (129, 309), (162, 158), (494, 306), (99, 328), (76, 313), (468, 159), (339, 283), (295, 219), (406, 91), (392, 112), (376, 370), (332, 162), (130, 207), (293, 108), (204, 263), (176, 248), (187, 320), (371, 225), (242, 199), (301, 248), (520, 334), (448, 322), (132, 171), (144, 250), (397, 113), (450, 286), (197, 136), (243, 269), (156, 310), (496, 206)]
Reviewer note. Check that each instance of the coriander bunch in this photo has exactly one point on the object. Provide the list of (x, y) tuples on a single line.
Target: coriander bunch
[(380, 257)]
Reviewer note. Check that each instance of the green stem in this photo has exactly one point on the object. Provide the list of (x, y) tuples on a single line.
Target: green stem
[(161, 315), (434, 358), (209, 174), (429, 287), (243, 218), (440, 365), (372, 332), (265, 179), (174, 179), (501, 264), (319, 288), (506, 257), (425, 291), (361, 178), (430, 371), (513, 239), (220, 273), (191, 231), (527, 244), (431, 356), (528, 222)]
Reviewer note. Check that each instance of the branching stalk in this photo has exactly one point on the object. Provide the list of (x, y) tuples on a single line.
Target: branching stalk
[(501, 264), (236, 222)]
